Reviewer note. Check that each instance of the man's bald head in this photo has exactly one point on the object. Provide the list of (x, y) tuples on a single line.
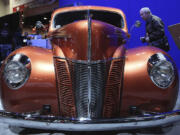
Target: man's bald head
[(145, 13)]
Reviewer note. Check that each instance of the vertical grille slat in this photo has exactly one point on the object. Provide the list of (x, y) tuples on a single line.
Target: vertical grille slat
[(113, 90), (65, 91), (73, 87)]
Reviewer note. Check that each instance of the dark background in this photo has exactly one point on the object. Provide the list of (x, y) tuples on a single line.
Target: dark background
[(12, 20)]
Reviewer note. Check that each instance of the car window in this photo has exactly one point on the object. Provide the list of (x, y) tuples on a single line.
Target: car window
[(112, 18)]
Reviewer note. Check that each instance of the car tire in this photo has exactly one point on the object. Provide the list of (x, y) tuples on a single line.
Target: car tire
[(16, 130), (167, 129), (157, 130)]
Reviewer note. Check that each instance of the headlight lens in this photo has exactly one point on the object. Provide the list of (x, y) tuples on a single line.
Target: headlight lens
[(161, 71), (16, 71)]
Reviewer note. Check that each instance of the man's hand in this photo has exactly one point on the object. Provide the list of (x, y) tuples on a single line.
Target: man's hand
[(147, 39), (144, 39)]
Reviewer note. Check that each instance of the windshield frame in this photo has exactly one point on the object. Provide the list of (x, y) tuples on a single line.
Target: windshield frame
[(96, 8), (83, 14)]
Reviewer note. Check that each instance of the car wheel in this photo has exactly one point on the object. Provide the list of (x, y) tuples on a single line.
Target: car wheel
[(16, 130), (167, 129), (157, 130)]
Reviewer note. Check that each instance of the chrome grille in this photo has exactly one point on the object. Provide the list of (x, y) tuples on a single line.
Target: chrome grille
[(114, 86), (87, 87), (65, 91), (89, 103)]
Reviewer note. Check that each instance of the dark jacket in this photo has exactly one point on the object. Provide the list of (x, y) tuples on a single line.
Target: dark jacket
[(155, 31)]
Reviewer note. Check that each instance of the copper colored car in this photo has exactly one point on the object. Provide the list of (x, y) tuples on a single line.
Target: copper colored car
[(89, 80)]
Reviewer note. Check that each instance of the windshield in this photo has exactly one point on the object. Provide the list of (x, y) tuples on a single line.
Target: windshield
[(112, 18)]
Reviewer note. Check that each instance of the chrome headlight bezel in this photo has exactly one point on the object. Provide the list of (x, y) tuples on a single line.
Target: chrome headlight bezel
[(17, 70), (161, 70)]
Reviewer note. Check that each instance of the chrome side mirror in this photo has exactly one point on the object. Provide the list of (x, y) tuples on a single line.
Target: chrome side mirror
[(137, 24)]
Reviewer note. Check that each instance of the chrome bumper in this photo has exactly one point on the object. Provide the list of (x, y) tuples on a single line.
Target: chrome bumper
[(64, 124)]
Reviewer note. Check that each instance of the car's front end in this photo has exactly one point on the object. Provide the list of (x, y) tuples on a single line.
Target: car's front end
[(89, 81)]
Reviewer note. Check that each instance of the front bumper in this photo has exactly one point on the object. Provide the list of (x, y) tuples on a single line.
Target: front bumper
[(66, 124)]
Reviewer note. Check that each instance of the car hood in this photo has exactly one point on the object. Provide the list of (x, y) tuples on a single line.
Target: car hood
[(72, 41)]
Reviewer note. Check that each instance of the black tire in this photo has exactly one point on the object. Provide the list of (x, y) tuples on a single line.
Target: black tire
[(16, 130), (157, 130), (167, 129), (27, 131)]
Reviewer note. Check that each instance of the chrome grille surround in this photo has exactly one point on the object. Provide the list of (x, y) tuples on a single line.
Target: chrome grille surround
[(83, 87)]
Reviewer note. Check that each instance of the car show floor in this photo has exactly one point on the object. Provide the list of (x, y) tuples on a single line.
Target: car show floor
[(4, 130)]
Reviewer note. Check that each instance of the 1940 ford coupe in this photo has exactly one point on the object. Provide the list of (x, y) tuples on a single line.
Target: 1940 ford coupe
[(89, 80)]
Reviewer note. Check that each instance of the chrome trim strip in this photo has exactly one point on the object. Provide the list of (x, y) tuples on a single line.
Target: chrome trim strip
[(89, 36), (89, 92), (61, 126), (89, 66), (86, 62)]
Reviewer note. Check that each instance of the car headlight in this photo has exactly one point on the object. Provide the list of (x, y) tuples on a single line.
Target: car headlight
[(17, 71), (161, 71)]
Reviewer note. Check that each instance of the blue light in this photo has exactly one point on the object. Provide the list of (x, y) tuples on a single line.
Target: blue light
[(168, 11)]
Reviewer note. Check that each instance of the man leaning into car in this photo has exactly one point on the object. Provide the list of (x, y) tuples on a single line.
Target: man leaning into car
[(155, 34)]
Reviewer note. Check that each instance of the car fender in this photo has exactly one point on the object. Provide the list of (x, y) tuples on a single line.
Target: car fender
[(138, 88), (40, 85)]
